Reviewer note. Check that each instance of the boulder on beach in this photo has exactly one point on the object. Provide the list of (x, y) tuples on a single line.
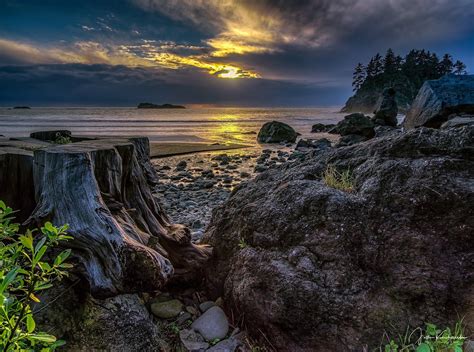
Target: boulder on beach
[(50, 135), (441, 100), (333, 269), (313, 144), (276, 132), (387, 109), (356, 123), (321, 127)]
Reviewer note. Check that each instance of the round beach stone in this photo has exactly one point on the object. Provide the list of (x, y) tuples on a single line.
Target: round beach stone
[(213, 324), (167, 310)]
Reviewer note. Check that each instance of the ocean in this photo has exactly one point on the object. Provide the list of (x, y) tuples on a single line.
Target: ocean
[(215, 125)]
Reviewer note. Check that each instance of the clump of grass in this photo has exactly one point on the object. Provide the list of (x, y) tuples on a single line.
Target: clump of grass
[(242, 243), (429, 339), (60, 139), (342, 180)]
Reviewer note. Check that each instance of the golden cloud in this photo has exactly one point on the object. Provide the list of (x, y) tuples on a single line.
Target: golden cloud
[(147, 54)]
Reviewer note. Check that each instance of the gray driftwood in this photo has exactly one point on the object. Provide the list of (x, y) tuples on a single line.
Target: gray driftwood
[(123, 240)]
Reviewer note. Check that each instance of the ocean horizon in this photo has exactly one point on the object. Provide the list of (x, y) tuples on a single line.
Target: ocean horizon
[(207, 125)]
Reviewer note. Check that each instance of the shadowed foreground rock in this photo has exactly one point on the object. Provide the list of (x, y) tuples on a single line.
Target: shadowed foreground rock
[(276, 132), (313, 268)]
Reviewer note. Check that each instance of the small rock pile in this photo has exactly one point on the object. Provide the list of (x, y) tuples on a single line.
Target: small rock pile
[(195, 326)]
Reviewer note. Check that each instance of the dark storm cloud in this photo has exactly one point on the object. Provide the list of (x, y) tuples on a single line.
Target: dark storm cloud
[(178, 48)]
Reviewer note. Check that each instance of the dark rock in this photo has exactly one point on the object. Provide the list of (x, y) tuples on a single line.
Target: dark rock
[(163, 106), (276, 132), (328, 270), (212, 324), (387, 110), (356, 123), (309, 144), (441, 99), (351, 139), (50, 135), (181, 165), (120, 323), (320, 127), (21, 107)]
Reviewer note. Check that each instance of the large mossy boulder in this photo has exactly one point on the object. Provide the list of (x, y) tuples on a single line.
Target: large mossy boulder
[(276, 132), (441, 100), (324, 269)]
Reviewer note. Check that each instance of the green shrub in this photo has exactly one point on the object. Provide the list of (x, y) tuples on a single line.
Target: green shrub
[(25, 270), (430, 339), (60, 139), (340, 180)]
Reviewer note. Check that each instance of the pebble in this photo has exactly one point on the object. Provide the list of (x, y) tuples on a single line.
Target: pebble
[(192, 341), (229, 345), (167, 310), (181, 165), (206, 305), (213, 324)]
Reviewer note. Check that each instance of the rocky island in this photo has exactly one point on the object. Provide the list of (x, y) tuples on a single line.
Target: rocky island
[(156, 106)]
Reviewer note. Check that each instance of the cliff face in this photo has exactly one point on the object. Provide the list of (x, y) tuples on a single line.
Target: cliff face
[(367, 99)]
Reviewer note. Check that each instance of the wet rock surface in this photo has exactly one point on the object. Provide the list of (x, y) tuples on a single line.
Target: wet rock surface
[(303, 262)]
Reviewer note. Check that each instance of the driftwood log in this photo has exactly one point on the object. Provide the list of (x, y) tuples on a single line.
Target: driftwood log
[(102, 188)]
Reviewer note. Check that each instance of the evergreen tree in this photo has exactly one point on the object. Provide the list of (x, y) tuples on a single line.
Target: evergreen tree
[(370, 69), (378, 64), (446, 65), (459, 68), (390, 62), (358, 77)]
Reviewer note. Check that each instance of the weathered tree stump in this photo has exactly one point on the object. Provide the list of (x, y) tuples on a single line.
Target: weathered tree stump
[(123, 240)]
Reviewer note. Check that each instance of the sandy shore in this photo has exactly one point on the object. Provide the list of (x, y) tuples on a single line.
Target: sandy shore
[(161, 150)]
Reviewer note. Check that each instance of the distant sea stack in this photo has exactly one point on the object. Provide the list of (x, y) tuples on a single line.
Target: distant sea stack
[(156, 106), (21, 107)]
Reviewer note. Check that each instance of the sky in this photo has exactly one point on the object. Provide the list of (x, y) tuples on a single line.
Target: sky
[(295, 53)]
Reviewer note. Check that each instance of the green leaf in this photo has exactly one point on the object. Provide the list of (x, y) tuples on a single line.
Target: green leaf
[(431, 329), (40, 244), (8, 279), (423, 348), (62, 257), (39, 254), (30, 323), (48, 226), (27, 241), (43, 337)]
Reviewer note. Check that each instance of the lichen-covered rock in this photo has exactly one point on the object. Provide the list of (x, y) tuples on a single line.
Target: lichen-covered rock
[(313, 268), (120, 323), (276, 132), (387, 109), (440, 100)]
